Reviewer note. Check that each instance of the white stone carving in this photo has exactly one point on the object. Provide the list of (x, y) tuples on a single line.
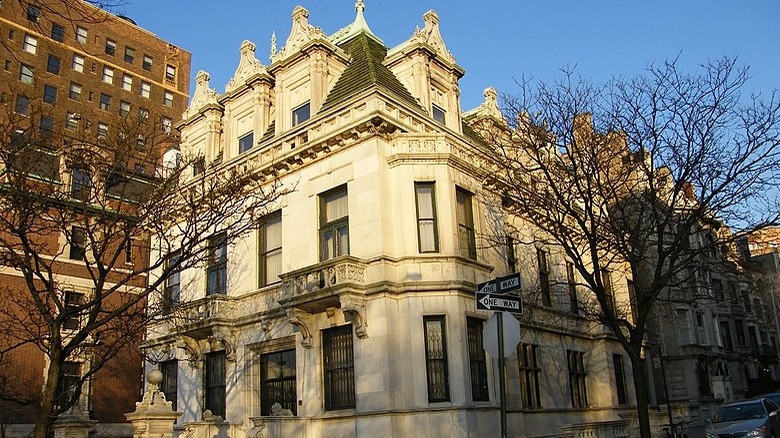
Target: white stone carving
[(192, 348), (202, 96), (430, 36), (248, 66), (301, 321), (354, 309), (302, 32), (489, 108), (357, 26)]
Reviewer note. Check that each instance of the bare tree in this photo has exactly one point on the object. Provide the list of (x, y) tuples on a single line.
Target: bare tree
[(99, 213), (625, 176)]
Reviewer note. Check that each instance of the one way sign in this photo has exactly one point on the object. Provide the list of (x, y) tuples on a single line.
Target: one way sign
[(499, 302)]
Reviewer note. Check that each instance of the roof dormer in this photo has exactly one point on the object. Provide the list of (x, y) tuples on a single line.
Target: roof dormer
[(428, 70), (304, 69)]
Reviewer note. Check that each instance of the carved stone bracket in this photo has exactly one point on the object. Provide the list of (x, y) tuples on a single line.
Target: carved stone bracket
[(301, 320), (354, 309), (191, 348), (225, 336)]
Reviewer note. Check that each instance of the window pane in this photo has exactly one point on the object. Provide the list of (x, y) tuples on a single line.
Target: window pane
[(169, 384), (301, 114), (436, 359), (215, 383), (477, 361), (338, 368), (426, 217), (277, 381), (271, 249)]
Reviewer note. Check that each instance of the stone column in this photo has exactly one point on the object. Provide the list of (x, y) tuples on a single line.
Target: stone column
[(153, 416), (74, 423)]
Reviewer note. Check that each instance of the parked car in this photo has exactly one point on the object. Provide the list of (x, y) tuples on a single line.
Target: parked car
[(757, 418), (774, 396)]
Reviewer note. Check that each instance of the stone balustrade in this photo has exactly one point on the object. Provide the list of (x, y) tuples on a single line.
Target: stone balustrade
[(340, 271)]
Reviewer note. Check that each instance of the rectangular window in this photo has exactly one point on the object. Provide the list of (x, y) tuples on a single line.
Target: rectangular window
[(632, 297), (277, 381), (22, 106), (301, 114), (215, 382), (165, 124), (108, 75), (170, 382), (170, 73), (334, 224), (127, 82), (684, 333), (338, 368), (246, 142), (609, 295), (81, 35), (168, 99), (124, 108), (71, 303), (577, 375), (465, 216), (436, 367), (528, 361), (725, 333), (110, 48), (571, 279), (620, 379), (78, 63), (544, 276), (702, 329), (26, 74), (129, 55), (172, 291), (146, 89), (53, 65), (57, 32), (70, 379), (47, 126), (427, 233), (271, 249), (105, 102), (72, 122), (33, 13), (147, 64), (717, 289), (78, 244), (102, 130), (216, 272), (30, 44), (143, 113), (80, 183), (49, 93), (477, 360), (739, 328), (439, 114), (74, 91)]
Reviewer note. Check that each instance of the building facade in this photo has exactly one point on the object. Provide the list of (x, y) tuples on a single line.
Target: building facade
[(352, 307), (77, 74)]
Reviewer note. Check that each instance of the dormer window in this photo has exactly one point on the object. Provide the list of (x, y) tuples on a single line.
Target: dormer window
[(245, 142), (301, 114), (439, 114)]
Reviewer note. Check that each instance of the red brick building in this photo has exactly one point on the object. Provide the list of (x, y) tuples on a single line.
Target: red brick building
[(69, 67)]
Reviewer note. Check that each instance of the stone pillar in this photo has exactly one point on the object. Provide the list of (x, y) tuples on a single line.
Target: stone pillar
[(74, 423), (153, 416)]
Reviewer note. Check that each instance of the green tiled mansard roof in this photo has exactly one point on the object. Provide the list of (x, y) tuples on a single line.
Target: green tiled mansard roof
[(366, 70)]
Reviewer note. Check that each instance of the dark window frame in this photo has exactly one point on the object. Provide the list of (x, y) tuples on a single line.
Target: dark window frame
[(266, 252), (530, 372), (436, 359), (338, 227), (110, 47), (338, 367), (620, 378), (216, 271), (281, 388), (215, 382), (49, 94), (246, 142), (477, 359), (543, 266), (467, 240), (172, 289), (53, 64), (301, 113), (571, 280), (105, 102), (170, 382), (78, 244), (578, 388), (439, 114), (426, 220)]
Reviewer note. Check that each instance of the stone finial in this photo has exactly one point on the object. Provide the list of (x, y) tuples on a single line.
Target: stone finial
[(203, 94), (430, 36), (430, 19), (300, 15), (273, 44), (153, 416), (302, 32), (357, 26), (490, 106), (248, 66), (360, 6)]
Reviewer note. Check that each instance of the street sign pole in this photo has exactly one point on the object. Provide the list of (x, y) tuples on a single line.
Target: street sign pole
[(501, 376)]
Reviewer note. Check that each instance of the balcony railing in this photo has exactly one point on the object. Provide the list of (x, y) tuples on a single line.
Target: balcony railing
[(332, 273), (193, 316)]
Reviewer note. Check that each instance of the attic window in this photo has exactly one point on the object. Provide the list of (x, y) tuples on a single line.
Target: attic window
[(439, 114), (245, 143), (301, 114)]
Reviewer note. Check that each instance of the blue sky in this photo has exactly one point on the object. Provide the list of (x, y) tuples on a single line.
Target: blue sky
[(495, 41)]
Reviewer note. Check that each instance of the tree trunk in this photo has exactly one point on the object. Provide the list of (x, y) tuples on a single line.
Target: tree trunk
[(45, 420), (641, 384)]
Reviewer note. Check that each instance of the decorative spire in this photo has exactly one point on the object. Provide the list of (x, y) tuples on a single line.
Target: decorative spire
[(273, 44), (356, 27)]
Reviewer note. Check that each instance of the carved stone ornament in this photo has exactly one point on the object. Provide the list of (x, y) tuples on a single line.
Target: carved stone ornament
[(489, 108), (357, 26), (248, 66), (301, 321), (354, 309), (225, 337), (302, 32), (202, 96), (430, 36), (191, 348)]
